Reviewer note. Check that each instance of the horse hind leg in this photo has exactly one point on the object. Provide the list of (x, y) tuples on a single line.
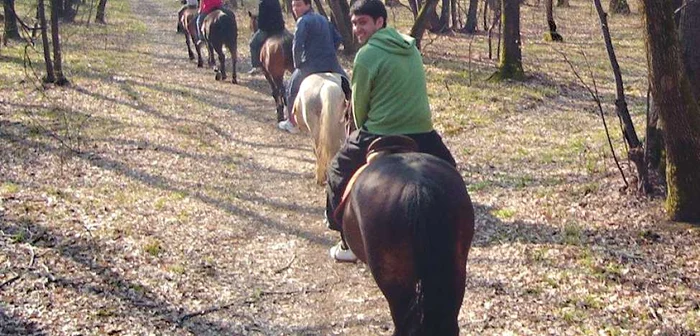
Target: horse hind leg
[(232, 49), (221, 71)]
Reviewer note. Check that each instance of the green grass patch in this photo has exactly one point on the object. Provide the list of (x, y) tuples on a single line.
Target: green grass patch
[(153, 248), (9, 188), (503, 214)]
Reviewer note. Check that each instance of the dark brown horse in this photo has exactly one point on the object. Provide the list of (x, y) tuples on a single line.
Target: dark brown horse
[(189, 26), (410, 218), (276, 57), (219, 28)]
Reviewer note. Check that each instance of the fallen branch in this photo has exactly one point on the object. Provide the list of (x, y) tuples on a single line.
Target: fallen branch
[(286, 266)]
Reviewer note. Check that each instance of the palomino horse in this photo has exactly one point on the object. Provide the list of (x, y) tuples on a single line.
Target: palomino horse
[(189, 26), (410, 218), (319, 107), (219, 28), (276, 57)]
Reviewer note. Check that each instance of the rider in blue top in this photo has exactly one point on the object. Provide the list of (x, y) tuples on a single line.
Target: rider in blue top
[(314, 49)]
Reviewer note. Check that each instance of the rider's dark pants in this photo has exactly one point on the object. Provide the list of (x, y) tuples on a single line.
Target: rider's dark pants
[(255, 45), (352, 155)]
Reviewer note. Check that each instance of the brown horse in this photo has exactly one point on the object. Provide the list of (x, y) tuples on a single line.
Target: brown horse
[(187, 22), (410, 218), (219, 28), (276, 57)]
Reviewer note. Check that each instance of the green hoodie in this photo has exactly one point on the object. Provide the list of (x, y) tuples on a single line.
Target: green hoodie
[(389, 94)]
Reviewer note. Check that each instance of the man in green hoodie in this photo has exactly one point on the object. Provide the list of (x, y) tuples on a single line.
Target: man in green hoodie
[(389, 97)]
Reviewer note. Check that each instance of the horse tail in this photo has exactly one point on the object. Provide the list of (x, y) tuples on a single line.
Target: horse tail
[(429, 219), (331, 130)]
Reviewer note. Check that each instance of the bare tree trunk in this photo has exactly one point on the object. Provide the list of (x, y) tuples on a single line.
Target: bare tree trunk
[(678, 111), (454, 14), (552, 34), (470, 26), (689, 31), (320, 9), (55, 40), (510, 61), (11, 30), (421, 22), (415, 5), (620, 7), (340, 10), (41, 14), (636, 151), (443, 23), (100, 16), (654, 145)]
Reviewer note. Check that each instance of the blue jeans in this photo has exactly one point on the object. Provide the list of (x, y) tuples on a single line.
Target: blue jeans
[(256, 44), (199, 20)]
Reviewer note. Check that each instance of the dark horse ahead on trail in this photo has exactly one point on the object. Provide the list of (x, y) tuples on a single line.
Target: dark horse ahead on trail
[(219, 28), (409, 217), (276, 57)]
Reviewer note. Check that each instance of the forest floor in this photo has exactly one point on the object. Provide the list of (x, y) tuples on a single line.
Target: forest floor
[(147, 198)]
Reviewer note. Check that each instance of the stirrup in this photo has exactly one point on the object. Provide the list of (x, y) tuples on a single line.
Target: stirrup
[(342, 255)]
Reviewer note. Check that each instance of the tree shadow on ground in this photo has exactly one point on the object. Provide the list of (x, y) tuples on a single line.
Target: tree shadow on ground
[(11, 325)]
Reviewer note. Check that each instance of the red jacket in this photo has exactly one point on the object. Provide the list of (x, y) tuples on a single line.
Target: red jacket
[(206, 6)]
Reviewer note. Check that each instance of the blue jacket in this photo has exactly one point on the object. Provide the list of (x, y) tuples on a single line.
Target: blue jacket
[(315, 43)]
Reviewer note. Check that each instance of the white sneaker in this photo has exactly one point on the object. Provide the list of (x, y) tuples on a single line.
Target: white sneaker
[(254, 71), (342, 255), (287, 125)]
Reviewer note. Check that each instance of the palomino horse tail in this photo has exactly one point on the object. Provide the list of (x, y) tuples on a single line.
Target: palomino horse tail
[(431, 219), (332, 131)]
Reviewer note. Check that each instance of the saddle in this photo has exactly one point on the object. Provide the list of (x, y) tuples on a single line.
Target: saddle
[(385, 145)]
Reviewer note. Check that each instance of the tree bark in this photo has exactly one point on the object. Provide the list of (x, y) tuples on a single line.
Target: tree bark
[(100, 16), (443, 23), (689, 31), (470, 26), (636, 151), (340, 10), (510, 60), (41, 14), (320, 9), (552, 34), (620, 7), (418, 28), (11, 30), (56, 41), (678, 111)]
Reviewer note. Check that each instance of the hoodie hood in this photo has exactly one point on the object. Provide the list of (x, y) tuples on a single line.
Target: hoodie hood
[(392, 41)]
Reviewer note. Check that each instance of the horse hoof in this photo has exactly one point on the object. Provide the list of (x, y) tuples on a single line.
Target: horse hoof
[(199, 65), (234, 81), (191, 58), (218, 76)]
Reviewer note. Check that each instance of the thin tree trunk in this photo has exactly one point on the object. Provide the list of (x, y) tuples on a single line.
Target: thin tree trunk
[(418, 28), (41, 14), (320, 9), (340, 10), (636, 151), (653, 145), (454, 13), (470, 26), (678, 111), (55, 40), (11, 30), (552, 34), (689, 31), (100, 16), (510, 61)]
